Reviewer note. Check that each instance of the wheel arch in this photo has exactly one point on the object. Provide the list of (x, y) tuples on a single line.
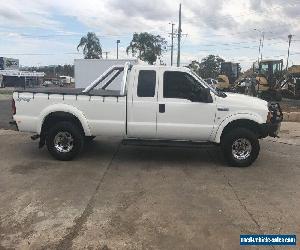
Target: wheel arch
[(250, 122), (60, 112)]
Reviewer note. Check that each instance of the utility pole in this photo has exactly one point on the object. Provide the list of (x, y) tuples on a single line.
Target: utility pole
[(261, 43), (259, 50), (106, 54), (118, 41), (179, 37), (288, 57), (172, 43)]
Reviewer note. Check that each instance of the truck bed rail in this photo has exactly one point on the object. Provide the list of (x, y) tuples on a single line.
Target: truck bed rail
[(70, 91)]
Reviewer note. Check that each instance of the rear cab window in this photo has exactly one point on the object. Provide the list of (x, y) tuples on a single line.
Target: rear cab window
[(146, 83)]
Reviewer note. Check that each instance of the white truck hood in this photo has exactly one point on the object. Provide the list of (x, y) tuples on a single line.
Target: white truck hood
[(238, 104), (244, 100)]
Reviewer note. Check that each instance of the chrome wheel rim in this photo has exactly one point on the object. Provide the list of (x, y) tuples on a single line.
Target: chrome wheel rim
[(63, 142), (241, 149)]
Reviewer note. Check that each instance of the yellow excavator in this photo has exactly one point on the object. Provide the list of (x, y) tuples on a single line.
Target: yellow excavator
[(229, 73)]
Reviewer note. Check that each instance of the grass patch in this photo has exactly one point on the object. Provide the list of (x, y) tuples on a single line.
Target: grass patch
[(5, 96), (6, 91)]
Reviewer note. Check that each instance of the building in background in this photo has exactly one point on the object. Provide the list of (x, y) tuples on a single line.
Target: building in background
[(11, 76)]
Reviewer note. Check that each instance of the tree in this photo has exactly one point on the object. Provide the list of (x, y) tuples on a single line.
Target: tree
[(194, 66), (91, 46), (209, 67), (147, 47)]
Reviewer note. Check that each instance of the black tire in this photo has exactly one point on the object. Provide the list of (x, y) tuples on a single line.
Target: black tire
[(73, 132), (231, 138)]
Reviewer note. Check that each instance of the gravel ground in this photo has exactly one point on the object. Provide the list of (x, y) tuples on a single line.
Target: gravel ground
[(5, 112), (290, 105), (129, 197)]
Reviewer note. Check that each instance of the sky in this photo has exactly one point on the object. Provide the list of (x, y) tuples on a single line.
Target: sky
[(43, 32)]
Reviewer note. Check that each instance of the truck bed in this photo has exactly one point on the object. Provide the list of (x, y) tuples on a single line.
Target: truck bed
[(70, 91)]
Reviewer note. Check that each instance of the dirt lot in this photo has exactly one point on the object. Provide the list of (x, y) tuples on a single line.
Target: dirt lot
[(128, 197), (290, 105), (5, 112)]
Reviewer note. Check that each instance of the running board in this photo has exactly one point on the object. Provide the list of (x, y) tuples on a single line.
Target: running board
[(165, 143)]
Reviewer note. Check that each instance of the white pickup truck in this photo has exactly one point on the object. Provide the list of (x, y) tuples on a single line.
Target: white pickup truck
[(156, 104)]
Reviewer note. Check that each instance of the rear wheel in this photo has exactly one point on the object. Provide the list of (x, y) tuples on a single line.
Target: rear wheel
[(240, 147), (65, 141)]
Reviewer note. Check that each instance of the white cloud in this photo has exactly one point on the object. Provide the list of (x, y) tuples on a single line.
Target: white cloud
[(216, 22)]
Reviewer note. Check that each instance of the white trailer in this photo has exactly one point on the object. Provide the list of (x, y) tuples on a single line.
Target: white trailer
[(87, 70), (65, 79)]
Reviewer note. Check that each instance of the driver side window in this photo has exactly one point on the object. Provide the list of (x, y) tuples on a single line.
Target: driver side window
[(179, 85)]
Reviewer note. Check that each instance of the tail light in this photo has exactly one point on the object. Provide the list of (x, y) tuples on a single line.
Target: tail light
[(13, 107)]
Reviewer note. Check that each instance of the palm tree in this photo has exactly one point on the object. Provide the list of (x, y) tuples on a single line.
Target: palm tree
[(91, 46)]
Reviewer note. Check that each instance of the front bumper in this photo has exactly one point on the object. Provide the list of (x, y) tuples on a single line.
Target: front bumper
[(269, 129), (272, 127)]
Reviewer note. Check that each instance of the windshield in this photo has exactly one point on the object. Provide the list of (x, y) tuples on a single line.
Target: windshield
[(216, 92), (264, 68)]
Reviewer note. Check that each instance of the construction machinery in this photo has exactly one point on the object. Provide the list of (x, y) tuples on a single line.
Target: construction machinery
[(229, 73), (269, 78), (291, 86), (265, 81)]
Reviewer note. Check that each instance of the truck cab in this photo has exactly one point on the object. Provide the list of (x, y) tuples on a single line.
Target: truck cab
[(164, 103)]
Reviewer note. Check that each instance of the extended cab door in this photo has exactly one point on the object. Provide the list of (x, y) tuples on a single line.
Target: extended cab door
[(179, 118), (142, 104)]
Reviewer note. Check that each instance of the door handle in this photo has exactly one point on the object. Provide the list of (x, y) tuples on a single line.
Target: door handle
[(162, 108)]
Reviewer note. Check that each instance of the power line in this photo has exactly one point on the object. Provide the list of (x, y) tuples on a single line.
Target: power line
[(70, 35)]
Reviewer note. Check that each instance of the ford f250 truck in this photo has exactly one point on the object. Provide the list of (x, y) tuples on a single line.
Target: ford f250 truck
[(154, 103)]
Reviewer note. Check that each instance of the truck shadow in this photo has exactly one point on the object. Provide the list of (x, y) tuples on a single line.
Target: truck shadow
[(155, 155)]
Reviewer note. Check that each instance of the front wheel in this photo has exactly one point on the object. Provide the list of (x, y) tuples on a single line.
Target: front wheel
[(65, 141), (240, 147)]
